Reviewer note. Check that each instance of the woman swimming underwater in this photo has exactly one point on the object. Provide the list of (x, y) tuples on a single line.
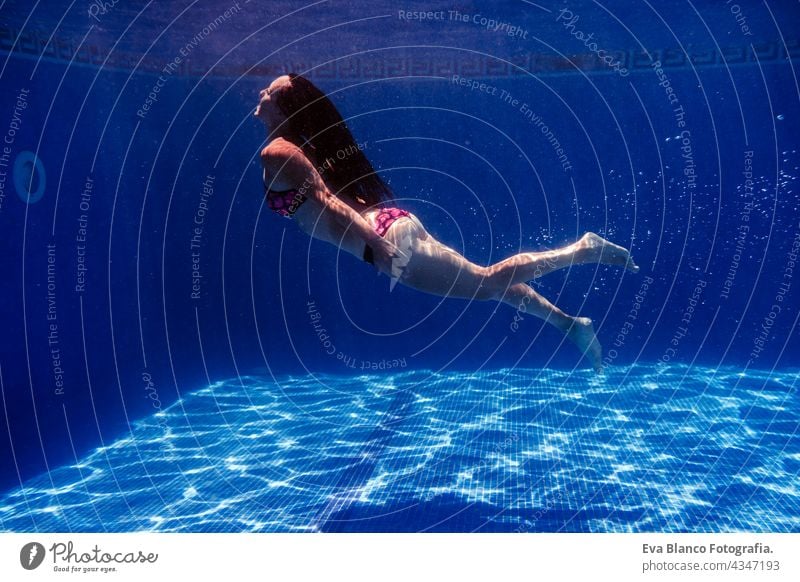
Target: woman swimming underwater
[(315, 173)]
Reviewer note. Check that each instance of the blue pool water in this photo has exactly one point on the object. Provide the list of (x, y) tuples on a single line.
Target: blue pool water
[(638, 450), (176, 357)]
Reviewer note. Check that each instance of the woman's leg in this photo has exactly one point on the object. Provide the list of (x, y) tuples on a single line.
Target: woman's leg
[(435, 268), (591, 248), (579, 330), (438, 269)]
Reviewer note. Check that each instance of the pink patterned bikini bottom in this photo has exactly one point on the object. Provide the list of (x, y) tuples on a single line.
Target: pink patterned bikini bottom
[(383, 221)]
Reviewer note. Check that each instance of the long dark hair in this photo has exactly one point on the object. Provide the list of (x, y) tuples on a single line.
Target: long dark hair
[(314, 124)]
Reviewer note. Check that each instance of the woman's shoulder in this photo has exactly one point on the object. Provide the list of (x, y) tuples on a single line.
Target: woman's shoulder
[(278, 158), (280, 149), (285, 163)]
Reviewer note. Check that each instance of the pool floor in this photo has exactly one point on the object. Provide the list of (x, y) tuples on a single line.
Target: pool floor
[(640, 449)]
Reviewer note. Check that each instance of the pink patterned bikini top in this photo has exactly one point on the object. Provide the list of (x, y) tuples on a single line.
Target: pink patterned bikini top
[(284, 202)]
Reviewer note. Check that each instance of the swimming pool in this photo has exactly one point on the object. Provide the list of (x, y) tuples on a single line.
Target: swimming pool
[(175, 357)]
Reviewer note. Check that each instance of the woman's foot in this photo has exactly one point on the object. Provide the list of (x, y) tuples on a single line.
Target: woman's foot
[(600, 250), (582, 335)]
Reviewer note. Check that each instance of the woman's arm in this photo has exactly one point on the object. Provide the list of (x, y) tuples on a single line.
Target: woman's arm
[(292, 169)]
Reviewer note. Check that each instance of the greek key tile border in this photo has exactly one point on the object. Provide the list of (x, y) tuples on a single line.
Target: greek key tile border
[(34, 44)]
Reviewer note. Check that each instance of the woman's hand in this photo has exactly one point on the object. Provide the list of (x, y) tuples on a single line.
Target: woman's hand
[(391, 259), (383, 254)]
